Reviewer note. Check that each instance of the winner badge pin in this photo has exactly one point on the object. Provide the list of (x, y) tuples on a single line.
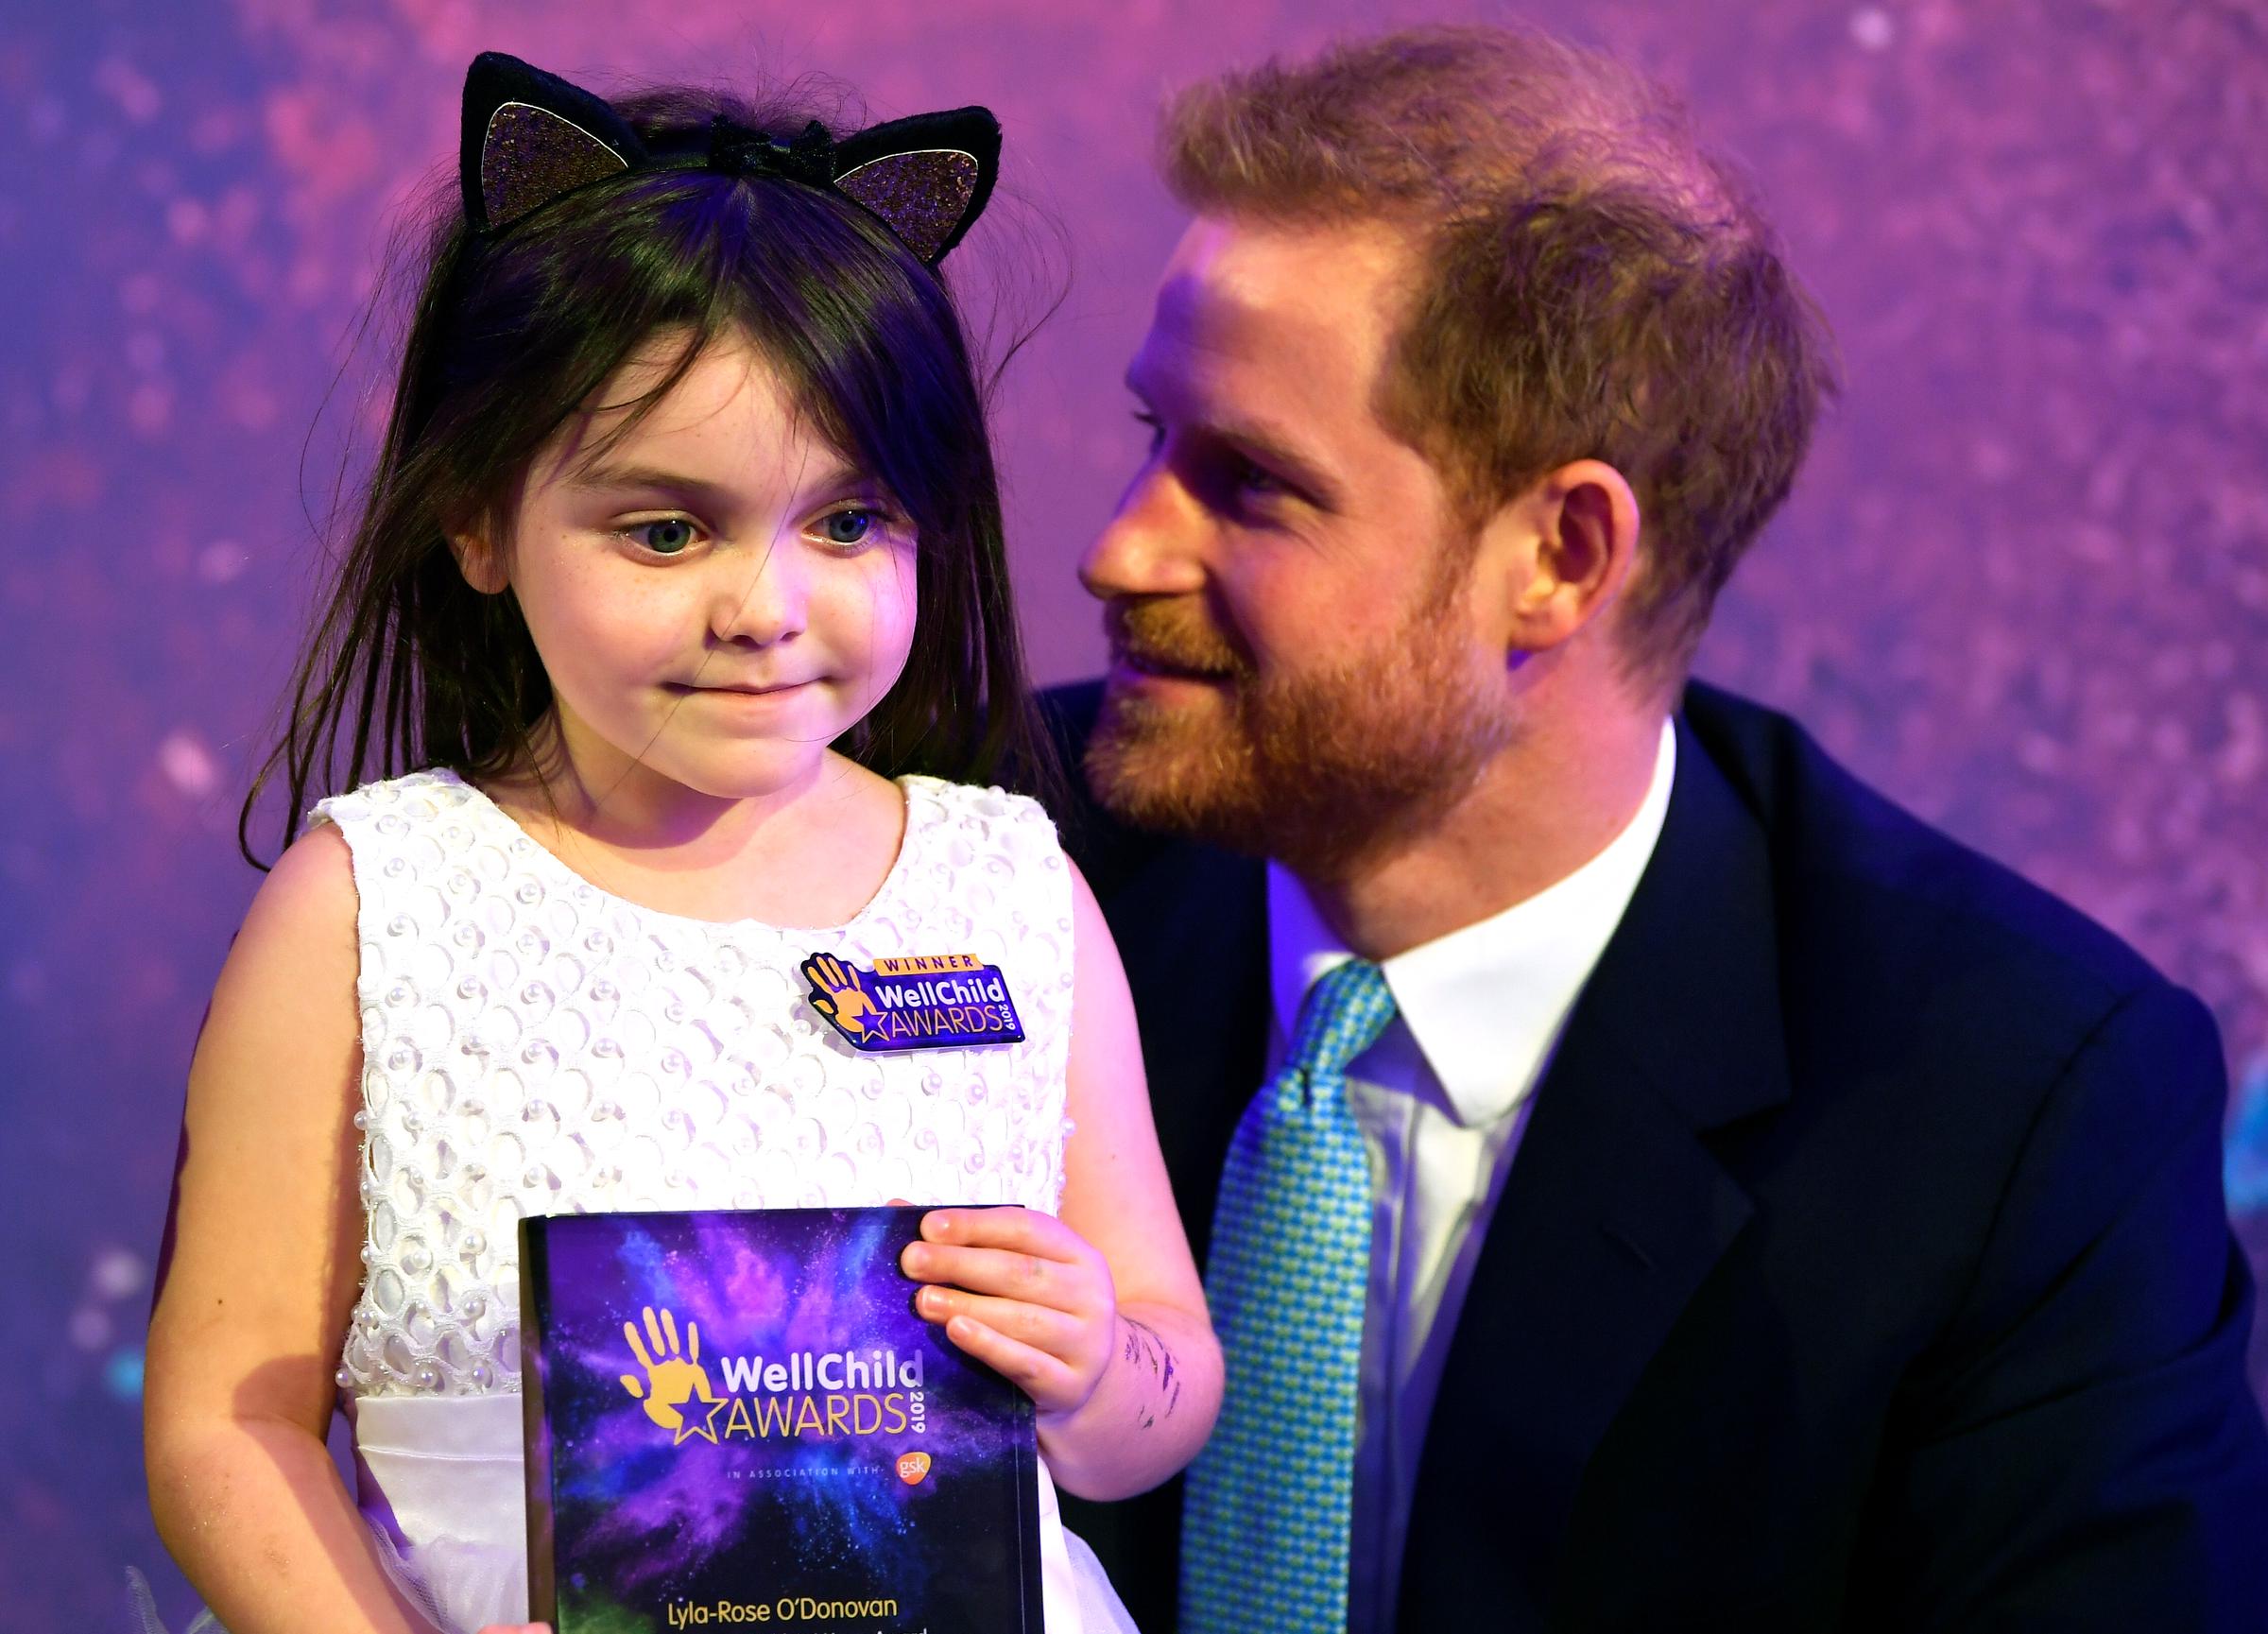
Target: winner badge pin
[(931, 1002), (736, 1416)]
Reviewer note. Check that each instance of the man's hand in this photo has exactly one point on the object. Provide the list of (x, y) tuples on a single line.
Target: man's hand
[(1025, 1294)]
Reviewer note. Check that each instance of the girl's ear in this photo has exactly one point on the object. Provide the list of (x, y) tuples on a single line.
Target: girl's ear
[(482, 563)]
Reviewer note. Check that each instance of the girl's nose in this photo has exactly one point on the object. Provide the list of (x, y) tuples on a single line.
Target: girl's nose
[(760, 599)]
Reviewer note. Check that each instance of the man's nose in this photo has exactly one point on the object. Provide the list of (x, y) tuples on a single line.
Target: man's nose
[(1154, 547), (759, 597)]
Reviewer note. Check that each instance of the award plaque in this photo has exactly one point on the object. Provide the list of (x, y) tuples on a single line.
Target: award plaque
[(735, 1418)]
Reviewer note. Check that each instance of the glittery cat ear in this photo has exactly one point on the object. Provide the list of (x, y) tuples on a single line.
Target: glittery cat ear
[(529, 136), (927, 177)]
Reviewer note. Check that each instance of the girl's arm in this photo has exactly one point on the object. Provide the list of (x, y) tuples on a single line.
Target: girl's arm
[(1100, 1315), (262, 1274)]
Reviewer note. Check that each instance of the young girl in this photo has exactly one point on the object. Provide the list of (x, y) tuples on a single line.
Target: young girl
[(682, 574)]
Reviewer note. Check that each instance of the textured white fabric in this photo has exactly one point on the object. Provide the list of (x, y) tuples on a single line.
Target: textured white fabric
[(533, 1044), (1442, 1097)]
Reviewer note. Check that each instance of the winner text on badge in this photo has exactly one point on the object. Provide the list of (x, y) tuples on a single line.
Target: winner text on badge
[(926, 1001)]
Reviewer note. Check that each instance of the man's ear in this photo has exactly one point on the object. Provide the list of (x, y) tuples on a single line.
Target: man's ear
[(1569, 546), (481, 560)]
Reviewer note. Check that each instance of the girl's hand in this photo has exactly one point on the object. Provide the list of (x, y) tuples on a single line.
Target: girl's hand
[(1025, 1294)]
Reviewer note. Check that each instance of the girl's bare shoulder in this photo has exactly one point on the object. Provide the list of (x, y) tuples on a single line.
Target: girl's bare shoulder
[(310, 891), (297, 951)]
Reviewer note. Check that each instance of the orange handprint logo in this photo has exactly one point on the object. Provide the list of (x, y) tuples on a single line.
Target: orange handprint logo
[(672, 1379), (838, 992)]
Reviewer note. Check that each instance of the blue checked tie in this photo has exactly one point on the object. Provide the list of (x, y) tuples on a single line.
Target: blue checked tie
[(1264, 1522)]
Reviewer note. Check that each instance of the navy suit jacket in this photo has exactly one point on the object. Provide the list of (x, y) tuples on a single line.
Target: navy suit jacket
[(1864, 1265)]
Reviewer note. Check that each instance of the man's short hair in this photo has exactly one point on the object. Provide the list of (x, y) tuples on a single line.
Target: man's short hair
[(1592, 283)]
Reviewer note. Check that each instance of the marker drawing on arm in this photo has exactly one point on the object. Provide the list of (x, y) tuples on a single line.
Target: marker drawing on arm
[(1144, 1347)]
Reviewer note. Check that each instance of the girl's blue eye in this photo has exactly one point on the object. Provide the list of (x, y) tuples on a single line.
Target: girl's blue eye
[(671, 536), (848, 527)]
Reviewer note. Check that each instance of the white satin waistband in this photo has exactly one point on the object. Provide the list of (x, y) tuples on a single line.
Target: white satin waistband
[(445, 1475), (446, 1465)]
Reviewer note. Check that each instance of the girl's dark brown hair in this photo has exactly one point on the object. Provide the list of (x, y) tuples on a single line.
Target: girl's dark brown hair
[(511, 336)]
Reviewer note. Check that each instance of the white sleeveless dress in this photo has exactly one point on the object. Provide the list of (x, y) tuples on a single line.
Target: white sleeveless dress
[(532, 1044)]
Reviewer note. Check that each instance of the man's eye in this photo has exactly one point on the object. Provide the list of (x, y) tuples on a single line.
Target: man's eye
[(1251, 478), (669, 536), (847, 526)]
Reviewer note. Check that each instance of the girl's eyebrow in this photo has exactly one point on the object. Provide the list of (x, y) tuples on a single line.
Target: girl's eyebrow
[(656, 479), (648, 478)]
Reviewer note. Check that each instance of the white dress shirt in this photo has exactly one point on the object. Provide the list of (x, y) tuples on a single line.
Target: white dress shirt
[(1442, 1097)]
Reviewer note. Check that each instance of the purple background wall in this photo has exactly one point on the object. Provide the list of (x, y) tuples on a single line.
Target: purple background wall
[(2022, 586)]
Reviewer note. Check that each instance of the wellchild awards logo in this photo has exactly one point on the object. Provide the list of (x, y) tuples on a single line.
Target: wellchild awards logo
[(932, 1001), (737, 1417), (801, 1395)]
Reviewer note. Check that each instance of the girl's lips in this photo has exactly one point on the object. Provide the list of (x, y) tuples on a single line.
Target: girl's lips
[(687, 689)]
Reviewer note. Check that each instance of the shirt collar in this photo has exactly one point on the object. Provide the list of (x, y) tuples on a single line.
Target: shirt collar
[(1484, 1002)]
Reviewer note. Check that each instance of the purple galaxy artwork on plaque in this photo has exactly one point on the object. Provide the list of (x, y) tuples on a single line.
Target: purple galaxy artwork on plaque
[(737, 1409)]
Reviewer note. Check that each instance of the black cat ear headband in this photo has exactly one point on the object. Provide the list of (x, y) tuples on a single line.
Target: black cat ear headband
[(529, 136)]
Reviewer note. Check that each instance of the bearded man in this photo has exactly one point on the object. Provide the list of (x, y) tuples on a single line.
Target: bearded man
[(1683, 1191)]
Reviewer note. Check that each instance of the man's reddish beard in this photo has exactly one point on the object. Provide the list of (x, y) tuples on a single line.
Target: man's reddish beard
[(1317, 768)]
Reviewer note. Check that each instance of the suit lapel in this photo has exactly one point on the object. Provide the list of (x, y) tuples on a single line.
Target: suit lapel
[(1615, 1210)]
